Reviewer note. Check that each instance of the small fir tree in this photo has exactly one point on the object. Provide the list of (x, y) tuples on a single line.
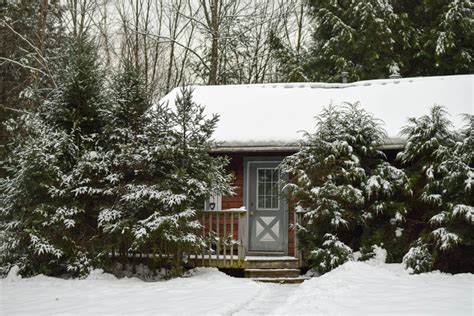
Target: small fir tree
[(33, 219), (187, 171)]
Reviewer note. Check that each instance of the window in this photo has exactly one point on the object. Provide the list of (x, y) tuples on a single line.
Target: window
[(268, 189)]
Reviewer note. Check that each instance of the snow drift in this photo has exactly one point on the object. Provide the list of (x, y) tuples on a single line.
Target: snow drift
[(354, 288), (358, 288)]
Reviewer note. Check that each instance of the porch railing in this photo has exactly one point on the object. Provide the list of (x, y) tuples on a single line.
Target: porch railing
[(226, 232)]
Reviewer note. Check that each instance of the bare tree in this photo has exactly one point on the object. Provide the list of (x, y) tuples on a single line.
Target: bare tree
[(79, 17), (177, 41)]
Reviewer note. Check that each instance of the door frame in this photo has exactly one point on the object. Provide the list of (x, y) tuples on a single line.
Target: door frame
[(256, 160)]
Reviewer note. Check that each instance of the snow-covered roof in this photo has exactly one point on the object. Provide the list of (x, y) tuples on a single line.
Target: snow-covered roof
[(272, 116)]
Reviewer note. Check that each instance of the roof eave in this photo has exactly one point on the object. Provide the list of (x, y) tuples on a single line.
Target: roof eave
[(285, 148), (261, 149)]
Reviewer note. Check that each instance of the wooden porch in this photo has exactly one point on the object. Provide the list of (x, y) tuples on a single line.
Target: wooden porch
[(227, 233)]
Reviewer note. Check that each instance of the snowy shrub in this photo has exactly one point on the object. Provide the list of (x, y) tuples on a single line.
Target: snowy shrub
[(418, 259), (343, 182), (332, 254), (440, 165), (374, 254)]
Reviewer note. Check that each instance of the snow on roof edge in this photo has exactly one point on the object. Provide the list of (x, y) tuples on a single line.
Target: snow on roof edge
[(280, 146), (318, 85)]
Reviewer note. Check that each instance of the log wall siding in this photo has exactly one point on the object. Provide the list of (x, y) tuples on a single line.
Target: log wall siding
[(236, 166)]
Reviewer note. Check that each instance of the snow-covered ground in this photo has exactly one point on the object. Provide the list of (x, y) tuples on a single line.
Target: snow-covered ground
[(358, 288), (207, 291), (353, 288)]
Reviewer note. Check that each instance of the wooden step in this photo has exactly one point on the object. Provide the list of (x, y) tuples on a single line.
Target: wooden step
[(272, 273), (270, 262), (281, 280)]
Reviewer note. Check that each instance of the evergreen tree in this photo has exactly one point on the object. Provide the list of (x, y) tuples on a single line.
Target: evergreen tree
[(31, 37), (51, 193), (454, 51), (188, 175), (344, 185), (375, 39), (440, 37), (440, 165), (290, 63), (169, 174), (358, 37), (124, 155), (33, 221)]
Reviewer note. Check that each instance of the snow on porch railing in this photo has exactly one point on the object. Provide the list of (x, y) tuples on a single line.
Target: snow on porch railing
[(225, 231)]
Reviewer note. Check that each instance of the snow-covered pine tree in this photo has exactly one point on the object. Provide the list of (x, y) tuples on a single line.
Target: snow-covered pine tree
[(32, 220), (440, 165), (155, 207), (457, 214), (124, 154), (375, 39), (31, 34), (192, 174), (425, 135), (51, 192), (386, 189), (341, 180), (454, 51), (441, 36), (358, 37)]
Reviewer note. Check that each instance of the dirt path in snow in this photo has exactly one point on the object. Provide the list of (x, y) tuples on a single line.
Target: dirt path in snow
[(269, 298)]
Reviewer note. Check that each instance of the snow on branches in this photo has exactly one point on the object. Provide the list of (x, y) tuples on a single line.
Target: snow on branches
[(440, 163), (343, 182), (98, 170)]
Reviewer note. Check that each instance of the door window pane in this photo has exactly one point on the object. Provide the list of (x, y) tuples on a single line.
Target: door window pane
[(268, 187), (261, 201), (275, 200)]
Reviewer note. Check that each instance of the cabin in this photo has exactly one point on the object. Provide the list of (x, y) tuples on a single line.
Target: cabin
[(261, 124)]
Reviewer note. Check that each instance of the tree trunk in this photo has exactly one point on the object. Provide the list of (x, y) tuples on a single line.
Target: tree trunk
[(215, 43)]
